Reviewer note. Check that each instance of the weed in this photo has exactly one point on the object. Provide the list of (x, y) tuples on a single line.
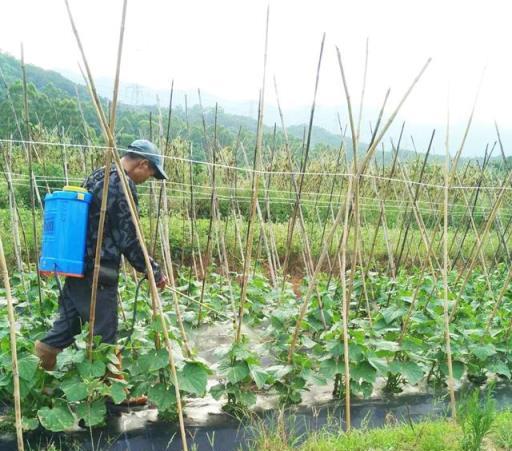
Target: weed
[(502, 430), (476, 414)]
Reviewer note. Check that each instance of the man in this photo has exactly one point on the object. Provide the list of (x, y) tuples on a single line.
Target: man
[(142, 161)]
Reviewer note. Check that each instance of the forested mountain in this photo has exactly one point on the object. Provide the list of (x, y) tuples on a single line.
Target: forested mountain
[(61, 108), (55, 104)]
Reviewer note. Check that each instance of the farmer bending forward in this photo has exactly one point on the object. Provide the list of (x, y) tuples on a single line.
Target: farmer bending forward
[(141, 161)]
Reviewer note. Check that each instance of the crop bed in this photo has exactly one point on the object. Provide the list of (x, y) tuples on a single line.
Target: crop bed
[(398, 341)]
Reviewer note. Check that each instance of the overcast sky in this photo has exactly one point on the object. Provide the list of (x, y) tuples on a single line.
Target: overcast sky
[(218, 47)]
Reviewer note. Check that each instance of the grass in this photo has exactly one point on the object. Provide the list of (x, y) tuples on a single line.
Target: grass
[(430, 435), (502, 435)]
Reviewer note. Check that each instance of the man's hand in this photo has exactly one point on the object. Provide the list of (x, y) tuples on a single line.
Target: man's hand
[(162, 282)]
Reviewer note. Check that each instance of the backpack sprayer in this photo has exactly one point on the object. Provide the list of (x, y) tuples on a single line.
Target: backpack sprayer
[(65, 232), (64, 238)]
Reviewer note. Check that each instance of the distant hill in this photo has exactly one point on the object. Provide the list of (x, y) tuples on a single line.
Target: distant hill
[(53, 104), (39, 77), (52, 92)]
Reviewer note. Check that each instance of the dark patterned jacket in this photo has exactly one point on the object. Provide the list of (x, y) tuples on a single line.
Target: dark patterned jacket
[(119, 236)]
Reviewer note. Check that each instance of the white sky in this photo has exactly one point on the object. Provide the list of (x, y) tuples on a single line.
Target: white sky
[(218, 46)]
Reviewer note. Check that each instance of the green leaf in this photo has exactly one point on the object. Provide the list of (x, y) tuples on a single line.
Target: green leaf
[(391, 313), (356, 352), (307, 342), (29, 424), (363, 371), (70, 355), (279, 371), (153, 361), (315, 378), (27, 367), (258, 375), (57, 419), (118, 392), (385, 345), (240, 351), (5, 379), (330, 367), (412, 372), (160, 360), (500, 368), (247, 398), (92, 413), (482, 351), (140, 388), (163, 396), (413, 344), (237, 372), (335, 347), (193, 378), (458, 369), (91, 369), (74, 390), (217, 391), (381, 365)]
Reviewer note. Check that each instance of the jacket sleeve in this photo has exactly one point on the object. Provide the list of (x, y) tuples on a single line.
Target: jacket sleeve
[(123, 228)]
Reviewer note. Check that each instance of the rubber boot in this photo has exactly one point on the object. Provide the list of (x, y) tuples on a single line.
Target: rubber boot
[(47, 355)]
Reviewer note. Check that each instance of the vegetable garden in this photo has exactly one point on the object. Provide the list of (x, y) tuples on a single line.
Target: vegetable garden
[(363, 273)]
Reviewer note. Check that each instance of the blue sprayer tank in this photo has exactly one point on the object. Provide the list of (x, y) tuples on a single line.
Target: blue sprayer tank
[(65, 232)]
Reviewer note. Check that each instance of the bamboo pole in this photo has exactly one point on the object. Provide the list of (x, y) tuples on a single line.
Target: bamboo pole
[(268, 216), (128, 195), (462, 223), (250, 222), (8, 176), (451, 388), (13, 109), (213, 215), (355, 206), (235, 211), (468, 226), (266, 232), (340, 215), (351, 206), (13, 213), (165, 233), (14, 113), (477, 238), (86, 131), (408, 217), (262, 228), (432, 259), (193, 231), (21, 135), (108, 162), (307, 253), (12, 341), (363, 89), (254, 196), (224, 261), (33, 186), (305, 161), (195, 237), (455, 161), (346, 299), (167, 256), (484, 235)]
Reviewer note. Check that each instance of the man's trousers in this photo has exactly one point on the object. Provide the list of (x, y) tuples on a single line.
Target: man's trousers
[(74, 305)]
